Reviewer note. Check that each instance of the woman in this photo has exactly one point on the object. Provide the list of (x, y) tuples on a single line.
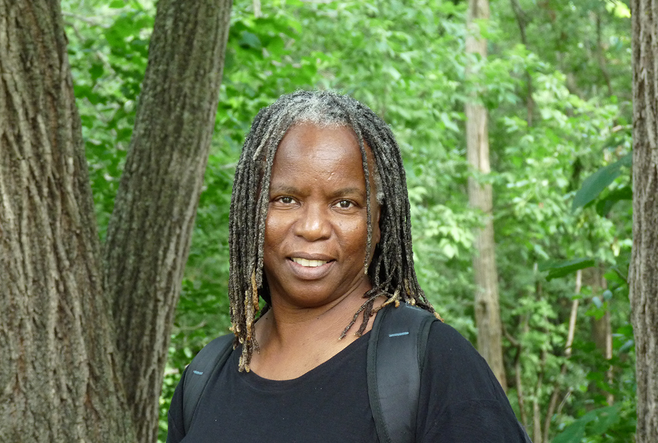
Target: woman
[(320, 230)]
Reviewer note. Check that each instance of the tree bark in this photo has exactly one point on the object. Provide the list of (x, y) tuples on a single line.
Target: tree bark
[(487, 310), (58, 378), (85, 340), (643, 274), (150, 229)]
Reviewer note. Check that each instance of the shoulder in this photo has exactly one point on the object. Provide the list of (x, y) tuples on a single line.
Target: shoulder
[(455, 365), (461, 400), (446, 342), (446, 351)]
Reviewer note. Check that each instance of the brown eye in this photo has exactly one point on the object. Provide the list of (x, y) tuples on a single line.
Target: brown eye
[(345, 204), (285, 200)]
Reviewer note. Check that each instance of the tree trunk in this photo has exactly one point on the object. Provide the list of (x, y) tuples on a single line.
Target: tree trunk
[(522, 20), (149, 233), (643, 273), (59, 380), (487, 310), (601, 328), (571, 333), (72, 371)]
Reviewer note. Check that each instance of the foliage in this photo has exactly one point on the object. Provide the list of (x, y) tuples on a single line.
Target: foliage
[(597, 182), (562, 268), (559, 107)]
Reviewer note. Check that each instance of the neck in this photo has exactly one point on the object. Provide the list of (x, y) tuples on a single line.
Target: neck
[(289, 325), (294, 340)]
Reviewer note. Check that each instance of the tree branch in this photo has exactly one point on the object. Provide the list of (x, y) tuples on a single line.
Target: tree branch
[(85, 19)]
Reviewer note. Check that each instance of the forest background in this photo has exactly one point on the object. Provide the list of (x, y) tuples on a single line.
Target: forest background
[(557, 88)]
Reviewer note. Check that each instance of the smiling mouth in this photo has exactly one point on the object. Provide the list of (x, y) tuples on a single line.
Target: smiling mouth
[(309, 263)]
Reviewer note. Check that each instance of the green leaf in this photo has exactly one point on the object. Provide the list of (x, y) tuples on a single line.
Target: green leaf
[(247, 39), (562, 268), (573, 433), (605, 418), (117, 4), (604, 205), (595, 422), (392, 72), (276, 47), (445, 118), (597, 182), (626, 346), (96, 71)]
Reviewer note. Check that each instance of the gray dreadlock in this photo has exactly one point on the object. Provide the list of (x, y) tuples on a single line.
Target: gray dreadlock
[(391, 270)]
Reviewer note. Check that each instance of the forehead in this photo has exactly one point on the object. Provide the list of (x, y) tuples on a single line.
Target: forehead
[(320, 154), (309, 139)]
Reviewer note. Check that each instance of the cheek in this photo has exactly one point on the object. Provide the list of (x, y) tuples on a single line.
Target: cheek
[(355, 235), (275, 227), (273, 238)]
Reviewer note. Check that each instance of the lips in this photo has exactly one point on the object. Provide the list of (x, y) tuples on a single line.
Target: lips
[(308, 263), (310, 267)]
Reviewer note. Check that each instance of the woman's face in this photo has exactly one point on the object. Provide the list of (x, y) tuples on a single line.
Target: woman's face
[(316, 228)]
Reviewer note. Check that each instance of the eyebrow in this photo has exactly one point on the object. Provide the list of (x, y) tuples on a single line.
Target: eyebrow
[(348, 191), (284, 189)]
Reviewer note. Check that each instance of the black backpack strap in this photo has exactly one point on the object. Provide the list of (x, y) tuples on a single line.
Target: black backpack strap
[(396, 353), (212, 357)]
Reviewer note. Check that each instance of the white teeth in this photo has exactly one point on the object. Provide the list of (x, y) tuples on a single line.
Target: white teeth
[(308, 263)]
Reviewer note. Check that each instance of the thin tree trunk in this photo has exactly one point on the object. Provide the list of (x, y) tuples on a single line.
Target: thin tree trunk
[(149, 233), (518, 380), (600, 54), (602, 337), (601, 329), (519, 388), (487, 310), (571, 333), (536, 408), (59, 381), (522, 20), (643, 273)]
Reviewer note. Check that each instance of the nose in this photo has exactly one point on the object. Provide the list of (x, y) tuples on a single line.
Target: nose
[(313, 224)]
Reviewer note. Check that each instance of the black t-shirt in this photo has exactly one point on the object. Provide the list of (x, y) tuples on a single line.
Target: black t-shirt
[(460, 401)]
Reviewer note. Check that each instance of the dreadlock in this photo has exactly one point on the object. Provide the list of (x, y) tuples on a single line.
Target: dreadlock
[(391, 270)]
